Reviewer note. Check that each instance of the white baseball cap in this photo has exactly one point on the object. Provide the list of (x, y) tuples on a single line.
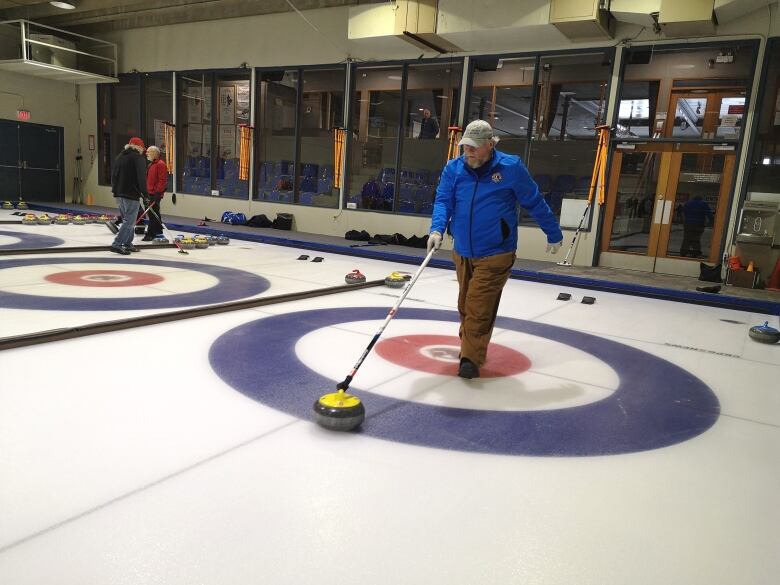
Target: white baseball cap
[(477, 133)]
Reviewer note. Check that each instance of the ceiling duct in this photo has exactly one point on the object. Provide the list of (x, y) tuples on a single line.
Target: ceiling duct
[(689, 18), (412, 21), (582, 20)]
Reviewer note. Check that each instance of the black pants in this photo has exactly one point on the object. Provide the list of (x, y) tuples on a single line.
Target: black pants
[(155, 226), (691, 244)]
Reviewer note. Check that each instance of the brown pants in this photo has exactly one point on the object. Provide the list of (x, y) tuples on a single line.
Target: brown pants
[(481, 281)]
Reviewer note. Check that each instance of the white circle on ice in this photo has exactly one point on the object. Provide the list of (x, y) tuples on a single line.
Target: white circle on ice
[(560, 376), (31, 280), (9, 240)]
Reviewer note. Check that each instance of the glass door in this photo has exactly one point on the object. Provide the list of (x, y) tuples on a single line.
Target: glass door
[(695, 203), (635, 201), (666, 206)]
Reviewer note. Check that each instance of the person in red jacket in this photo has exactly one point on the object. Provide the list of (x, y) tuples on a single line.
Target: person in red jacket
[(156, 180)]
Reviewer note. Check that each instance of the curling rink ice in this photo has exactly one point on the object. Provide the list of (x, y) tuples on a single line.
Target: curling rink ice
[(633, 441)]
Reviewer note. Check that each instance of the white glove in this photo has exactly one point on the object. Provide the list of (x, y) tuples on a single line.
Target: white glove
[(434, 241), (553, 248)]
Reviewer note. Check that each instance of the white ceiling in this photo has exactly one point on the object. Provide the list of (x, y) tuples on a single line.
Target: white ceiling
[(94, 16)]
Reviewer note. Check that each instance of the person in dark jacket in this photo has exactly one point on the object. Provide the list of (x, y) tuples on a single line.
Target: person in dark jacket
[(429, 128), (696, 215), (156, 180), (128, 184), (478, 196)]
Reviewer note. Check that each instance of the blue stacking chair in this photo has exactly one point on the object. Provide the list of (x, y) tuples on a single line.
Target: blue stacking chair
[(544, 182)]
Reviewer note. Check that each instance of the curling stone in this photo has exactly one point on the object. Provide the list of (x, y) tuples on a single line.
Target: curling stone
[(103, 217), (201, 242), (30, 219), (355, 277), (44, 219), (212, 240), (21, 205), (160, 239), (764, 333), (339, 411), (89, 219), (78, 220), (223, 240), (62, 219), (396, 280), (8, 205), (187, 243)]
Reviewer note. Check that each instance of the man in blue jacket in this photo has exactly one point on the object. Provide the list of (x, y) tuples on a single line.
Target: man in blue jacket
[(478, 195)]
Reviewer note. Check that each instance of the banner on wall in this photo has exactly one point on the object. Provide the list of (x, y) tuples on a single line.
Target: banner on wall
[(227, 104), (194, 105), (242, 104), (227, 141)]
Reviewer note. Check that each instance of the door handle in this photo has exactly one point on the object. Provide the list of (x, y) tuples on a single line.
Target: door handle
[(659, 210), (667, 212)]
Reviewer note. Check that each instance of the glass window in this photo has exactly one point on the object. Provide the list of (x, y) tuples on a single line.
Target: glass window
[(571, 102), (322, 111), (765, 165), (431, 106), (503, 98), (104, 134), (125, 111), (233, 109), (194, 130), (275, 131), (376, 119), (696, 93), (158, 108), (689, 117), (637, 107)]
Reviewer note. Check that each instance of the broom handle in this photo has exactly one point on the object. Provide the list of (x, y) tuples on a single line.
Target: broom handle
[(345, 384)]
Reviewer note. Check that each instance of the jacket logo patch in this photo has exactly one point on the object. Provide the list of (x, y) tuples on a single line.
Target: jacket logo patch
[(496, 178)]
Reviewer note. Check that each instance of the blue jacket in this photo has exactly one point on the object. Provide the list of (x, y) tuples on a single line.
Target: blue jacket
[(483, 212)]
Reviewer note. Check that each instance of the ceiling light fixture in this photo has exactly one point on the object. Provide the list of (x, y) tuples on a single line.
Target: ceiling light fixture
[(63, 5)]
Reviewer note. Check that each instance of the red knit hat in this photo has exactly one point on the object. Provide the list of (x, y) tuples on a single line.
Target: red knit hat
[(135, 141)]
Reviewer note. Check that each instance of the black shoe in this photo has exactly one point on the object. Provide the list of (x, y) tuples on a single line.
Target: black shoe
[(147, 238), (132, 248), (122, 251), (468, 369), (708, 289)]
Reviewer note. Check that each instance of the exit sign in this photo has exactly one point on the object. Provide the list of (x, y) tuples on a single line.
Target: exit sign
[(23, 115)]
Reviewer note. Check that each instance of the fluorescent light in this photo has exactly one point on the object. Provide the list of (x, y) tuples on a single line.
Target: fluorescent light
[(767, 160), (63, 5), (394, 77)]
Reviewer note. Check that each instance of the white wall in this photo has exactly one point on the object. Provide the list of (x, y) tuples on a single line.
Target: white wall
[(49, 102)]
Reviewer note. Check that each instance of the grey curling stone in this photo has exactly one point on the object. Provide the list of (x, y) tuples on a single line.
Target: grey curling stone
[(160, 239), (339, 419), (212, 240), (396, 280), (764, 333), (355, 277), (223, 240)]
